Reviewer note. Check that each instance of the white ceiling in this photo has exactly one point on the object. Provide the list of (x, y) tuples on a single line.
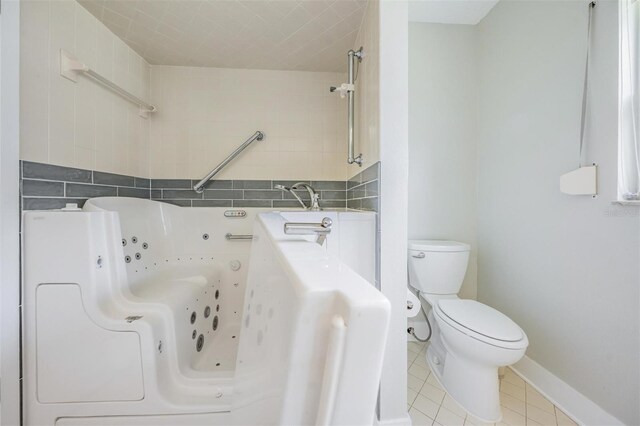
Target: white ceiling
[(468, 12), (306, 35)]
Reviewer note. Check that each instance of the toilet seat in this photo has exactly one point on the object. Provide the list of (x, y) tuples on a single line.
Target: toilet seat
[(481, 322)]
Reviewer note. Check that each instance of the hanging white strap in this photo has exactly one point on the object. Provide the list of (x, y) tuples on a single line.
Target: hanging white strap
[(585, 89)]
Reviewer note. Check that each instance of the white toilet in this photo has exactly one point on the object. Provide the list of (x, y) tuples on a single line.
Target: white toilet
[(469, 340)]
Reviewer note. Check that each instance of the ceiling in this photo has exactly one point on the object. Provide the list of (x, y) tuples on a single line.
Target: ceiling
[(468, 12), (305, 35)]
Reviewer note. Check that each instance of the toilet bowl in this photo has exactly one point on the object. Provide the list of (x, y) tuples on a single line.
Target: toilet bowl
[(470, 340)]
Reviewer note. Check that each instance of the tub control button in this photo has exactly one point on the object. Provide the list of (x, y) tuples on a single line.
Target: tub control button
[(235, 213), (235, 265)]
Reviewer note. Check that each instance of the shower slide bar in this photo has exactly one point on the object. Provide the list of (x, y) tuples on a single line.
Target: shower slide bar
[(199, 187), (70, 67)]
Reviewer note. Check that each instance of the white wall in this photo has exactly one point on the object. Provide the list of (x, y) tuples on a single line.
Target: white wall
[(565, 268), (367, 91), (394, 164), (204, 114), (443, 96), (9, 214), (79, 124)]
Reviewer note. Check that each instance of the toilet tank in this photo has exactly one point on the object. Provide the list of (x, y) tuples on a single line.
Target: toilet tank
[(437, 267)]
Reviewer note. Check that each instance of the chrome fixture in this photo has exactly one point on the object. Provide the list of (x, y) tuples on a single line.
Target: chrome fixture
[(320, 230), (70, 67), (313, 195), (199, 187), (232, 237), (348, 89)]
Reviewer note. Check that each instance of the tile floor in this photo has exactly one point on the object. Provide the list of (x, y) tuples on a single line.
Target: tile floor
[(428, 404)]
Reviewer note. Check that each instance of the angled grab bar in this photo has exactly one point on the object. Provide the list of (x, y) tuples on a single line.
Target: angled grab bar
[(199, 187)]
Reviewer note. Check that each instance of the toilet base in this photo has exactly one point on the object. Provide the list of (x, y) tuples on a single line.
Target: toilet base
[(475, 387)]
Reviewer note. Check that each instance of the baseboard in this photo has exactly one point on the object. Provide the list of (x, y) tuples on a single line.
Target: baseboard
[(570, 401)]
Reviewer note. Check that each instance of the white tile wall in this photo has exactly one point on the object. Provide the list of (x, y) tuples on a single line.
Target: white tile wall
[(79, 124), (205, 113), (367, 115)]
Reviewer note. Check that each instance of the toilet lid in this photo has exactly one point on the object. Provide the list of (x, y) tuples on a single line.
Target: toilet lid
[(481, 319)]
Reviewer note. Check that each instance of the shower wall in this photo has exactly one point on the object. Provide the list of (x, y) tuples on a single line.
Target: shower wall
[(79, 124), (203, 113), (206, 113), (367, 103)]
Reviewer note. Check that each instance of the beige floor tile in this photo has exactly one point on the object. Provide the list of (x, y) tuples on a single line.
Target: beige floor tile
[(419, 372), (471, 420), (415, 346), (419, 419), (512, 418), (543, 417), (536, 399), (433, 381), (433, 393), (513, 378), (512, 390), (448, 418), (421, 360), (428, 403), (414, 383), (451, 405), (563, 419), (512, 403), (411, 396), (426, 406)]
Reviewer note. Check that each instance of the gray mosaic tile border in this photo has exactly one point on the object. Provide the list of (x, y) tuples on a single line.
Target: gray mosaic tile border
[(363, 190), (46, 186)]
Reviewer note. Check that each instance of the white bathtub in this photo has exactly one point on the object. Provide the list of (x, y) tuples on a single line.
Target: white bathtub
[(118, 296)]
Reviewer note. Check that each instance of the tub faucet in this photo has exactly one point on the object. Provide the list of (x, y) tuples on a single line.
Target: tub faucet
[(314, 203)]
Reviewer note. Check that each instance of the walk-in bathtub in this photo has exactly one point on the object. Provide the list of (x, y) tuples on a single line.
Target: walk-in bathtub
[(140, 312)]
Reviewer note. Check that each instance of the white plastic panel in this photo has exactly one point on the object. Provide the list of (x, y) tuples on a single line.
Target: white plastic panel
[(70, 350)]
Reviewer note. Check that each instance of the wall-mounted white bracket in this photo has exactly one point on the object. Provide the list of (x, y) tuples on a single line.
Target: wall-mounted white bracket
[(344, 89), (582, 181), (70, 67)]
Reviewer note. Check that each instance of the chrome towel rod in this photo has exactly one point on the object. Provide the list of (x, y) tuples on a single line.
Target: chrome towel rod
[(70, 66), (199, 187)]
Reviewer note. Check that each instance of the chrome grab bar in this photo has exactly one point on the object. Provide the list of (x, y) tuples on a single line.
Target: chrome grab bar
[(199, 187), (231, 237), (321, 230)]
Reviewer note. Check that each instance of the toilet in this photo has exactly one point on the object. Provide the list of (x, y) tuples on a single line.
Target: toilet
[(470, 340)]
